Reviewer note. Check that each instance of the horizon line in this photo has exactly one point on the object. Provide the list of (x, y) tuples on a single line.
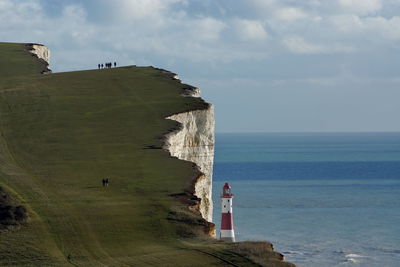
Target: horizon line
[(310, 132)]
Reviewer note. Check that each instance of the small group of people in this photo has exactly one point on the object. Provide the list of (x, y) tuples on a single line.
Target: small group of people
[(106, 65), (106, 181)]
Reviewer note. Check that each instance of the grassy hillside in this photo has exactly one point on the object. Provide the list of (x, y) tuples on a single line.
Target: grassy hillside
[(61, 134)]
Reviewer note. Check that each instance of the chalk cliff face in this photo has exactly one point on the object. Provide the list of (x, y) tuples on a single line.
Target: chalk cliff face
[(42, 52), (195, 143)]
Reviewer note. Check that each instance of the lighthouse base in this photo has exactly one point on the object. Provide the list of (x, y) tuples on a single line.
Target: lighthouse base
[(227, 235), (227, 239)]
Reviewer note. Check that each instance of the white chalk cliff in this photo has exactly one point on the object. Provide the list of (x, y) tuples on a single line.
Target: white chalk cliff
[(195, 143), (41, 52)]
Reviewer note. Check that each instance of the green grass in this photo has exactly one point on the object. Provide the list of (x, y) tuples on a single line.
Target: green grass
[(61, 134)]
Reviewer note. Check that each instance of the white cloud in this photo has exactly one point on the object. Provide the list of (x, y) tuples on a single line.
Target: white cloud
[(75, 12), (385, 28), (250, 29), (361, 6), (139, 9), (14, 13), (347, 23), (207, 29), (263, 3), (299, 45), (5, 4), (290, 14)]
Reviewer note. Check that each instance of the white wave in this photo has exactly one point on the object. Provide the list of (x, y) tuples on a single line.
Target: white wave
[(354, 258), (353, 255)]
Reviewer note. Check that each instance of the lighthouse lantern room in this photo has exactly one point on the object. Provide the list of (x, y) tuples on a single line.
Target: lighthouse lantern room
[(227, 232)]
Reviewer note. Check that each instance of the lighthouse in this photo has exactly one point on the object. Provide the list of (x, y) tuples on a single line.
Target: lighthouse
[(227, 232)]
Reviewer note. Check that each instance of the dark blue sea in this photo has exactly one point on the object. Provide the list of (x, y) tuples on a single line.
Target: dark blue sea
[(322, 199)]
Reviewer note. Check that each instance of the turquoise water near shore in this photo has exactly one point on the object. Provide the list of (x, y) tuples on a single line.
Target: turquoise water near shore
[(323, 199)]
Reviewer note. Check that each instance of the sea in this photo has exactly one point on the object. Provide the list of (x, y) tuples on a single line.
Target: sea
[(322, 199)]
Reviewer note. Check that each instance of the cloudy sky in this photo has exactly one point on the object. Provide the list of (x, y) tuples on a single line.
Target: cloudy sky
[(267, 65)]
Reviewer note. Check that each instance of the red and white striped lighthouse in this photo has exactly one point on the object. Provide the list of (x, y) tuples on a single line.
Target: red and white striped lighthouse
[(227, 232)]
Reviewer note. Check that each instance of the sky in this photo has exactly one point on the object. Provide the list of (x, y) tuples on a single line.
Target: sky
[(266, 65)]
